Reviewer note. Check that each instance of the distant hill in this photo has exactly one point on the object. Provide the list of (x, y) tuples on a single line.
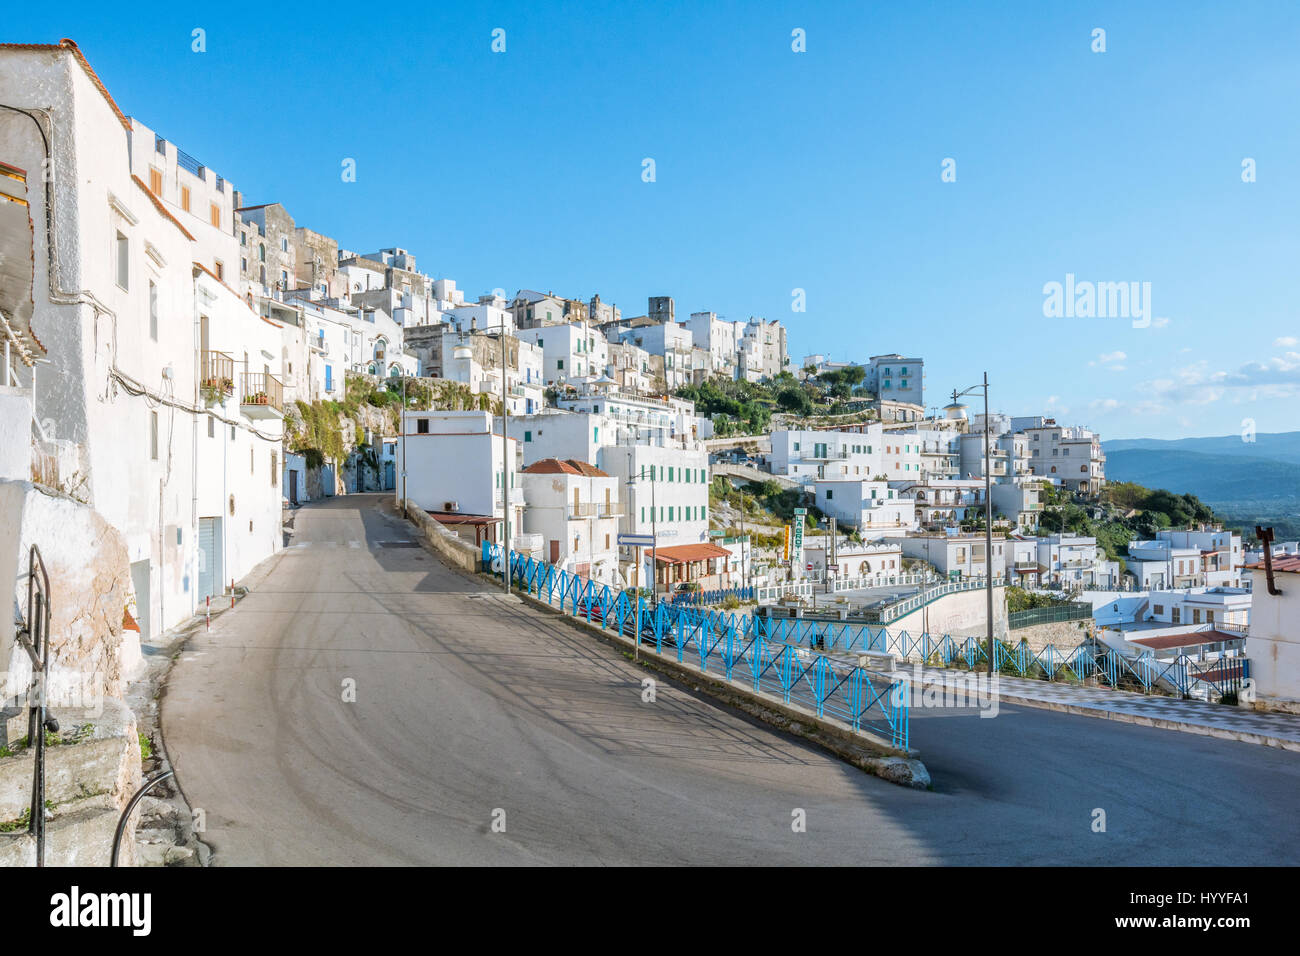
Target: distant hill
[(1278, 446), (1211, 477)]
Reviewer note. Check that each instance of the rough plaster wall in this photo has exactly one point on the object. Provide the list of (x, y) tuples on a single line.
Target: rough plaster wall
[(86, 560)]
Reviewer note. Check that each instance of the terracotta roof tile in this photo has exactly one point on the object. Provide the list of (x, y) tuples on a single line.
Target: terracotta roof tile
[(570, 466), (1291, 564), (682, 553)]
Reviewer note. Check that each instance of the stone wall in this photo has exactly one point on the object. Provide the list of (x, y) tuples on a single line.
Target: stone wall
[(91, 774), (1065, 636)]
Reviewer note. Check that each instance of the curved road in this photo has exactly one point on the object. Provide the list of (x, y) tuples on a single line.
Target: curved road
[(468, 703)]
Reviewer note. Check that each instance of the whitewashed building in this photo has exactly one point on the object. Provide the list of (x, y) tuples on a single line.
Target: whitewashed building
[(575, 508)]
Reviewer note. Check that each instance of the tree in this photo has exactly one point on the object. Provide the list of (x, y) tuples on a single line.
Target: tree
[(795, 400)]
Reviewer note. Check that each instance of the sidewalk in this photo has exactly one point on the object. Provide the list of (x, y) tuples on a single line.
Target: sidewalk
[(1189, 716)]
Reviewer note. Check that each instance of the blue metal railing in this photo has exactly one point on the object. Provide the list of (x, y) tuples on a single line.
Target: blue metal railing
[(737, 647), (717, 596)]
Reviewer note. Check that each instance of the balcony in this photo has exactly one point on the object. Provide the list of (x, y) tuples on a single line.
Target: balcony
[(262, 396), (595, 509), (217, 380)]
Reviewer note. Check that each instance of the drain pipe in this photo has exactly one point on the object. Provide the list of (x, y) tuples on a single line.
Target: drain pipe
[(1265, 536)]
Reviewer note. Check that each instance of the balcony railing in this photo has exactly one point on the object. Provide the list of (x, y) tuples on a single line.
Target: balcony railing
[(596, 509), (218, 374), (262, 391)]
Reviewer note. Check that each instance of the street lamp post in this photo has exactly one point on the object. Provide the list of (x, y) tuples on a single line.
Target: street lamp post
[(988, 516), (403, 424), (505, 466)]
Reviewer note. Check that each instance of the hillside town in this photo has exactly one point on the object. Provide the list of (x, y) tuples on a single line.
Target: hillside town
[(186, 367), (161, 330)]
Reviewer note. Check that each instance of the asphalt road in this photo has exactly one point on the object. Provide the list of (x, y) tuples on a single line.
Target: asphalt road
[(469, 703)]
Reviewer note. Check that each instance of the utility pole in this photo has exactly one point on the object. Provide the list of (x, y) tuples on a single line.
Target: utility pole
[(505, 466), (988, 526), (654, 548), (402, 423)]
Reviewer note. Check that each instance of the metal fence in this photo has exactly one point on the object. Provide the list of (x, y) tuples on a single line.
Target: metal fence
[(1074, 611), (1181, 676), (703, 598), (736, 647)]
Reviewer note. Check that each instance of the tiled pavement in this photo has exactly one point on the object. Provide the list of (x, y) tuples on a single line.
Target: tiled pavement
[(1189, 716)]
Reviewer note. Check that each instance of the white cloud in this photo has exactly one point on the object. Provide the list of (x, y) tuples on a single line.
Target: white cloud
[(1286, 342)]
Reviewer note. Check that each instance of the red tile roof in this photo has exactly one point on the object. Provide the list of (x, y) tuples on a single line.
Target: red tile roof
[(570, 466), (682, 553), (1291, 564)]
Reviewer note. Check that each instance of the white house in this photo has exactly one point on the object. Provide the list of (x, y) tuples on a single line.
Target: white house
[(123, 319), (454, 465), (575, 508), (869, 507), (871, 453)]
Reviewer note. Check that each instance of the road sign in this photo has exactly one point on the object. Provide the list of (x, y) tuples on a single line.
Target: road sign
[(808, 566), (801, 511), (636, 540), (831, 567)]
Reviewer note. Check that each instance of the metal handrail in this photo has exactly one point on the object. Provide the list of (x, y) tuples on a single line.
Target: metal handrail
[(34, 637)]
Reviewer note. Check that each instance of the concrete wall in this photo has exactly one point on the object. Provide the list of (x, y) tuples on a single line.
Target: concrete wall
[(1273, 644), (961, 614), (15, 433), (459, 553)]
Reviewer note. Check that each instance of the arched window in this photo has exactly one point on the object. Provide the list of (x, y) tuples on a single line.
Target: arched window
[(261, 252)]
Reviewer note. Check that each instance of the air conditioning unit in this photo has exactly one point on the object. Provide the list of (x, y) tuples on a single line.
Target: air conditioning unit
[(451, 507)]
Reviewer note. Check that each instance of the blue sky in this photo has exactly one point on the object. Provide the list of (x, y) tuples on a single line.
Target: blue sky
[(778, 170)]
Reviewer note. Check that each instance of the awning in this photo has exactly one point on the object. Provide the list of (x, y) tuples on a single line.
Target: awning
[(685, 553)]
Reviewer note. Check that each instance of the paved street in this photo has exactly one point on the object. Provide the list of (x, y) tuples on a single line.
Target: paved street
[(468, 701)]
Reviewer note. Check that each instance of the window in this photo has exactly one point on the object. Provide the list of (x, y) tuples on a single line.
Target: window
[(422, 426), (153, 311), (214, 214), (185, 198), (528, 436), (123, 262), (829, 494), (284, 245), (261, 252), (559, 364), (252, 461), (153, 435), (155, 181)]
